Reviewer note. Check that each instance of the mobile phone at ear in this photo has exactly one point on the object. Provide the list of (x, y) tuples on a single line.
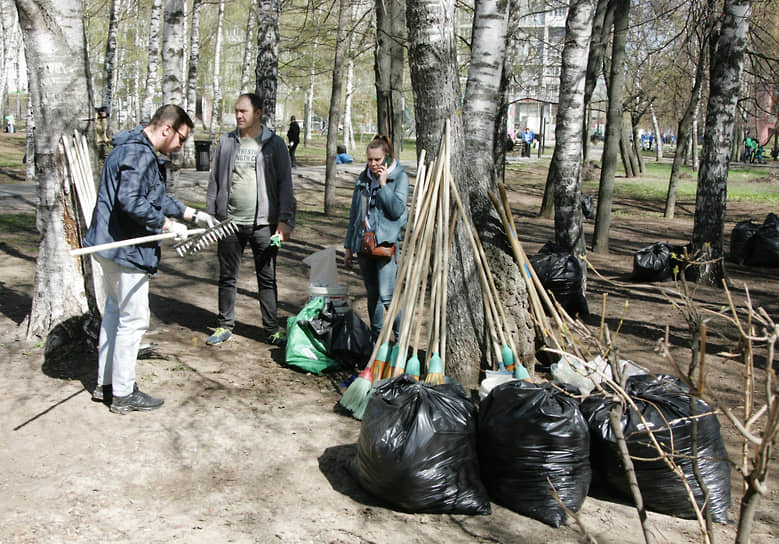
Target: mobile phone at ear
[(387, 160)]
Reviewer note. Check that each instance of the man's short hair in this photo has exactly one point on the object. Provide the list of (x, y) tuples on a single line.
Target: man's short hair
[(172, 115), (254, 98)]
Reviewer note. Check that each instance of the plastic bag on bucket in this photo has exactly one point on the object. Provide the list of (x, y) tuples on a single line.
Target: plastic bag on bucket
[(664, 403), (529, 435), (417, 448)]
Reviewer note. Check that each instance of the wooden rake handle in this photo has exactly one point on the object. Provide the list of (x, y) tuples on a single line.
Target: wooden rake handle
[(130, 242)]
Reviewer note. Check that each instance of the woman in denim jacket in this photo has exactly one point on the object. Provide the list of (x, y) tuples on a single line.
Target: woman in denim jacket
[(378, 206)]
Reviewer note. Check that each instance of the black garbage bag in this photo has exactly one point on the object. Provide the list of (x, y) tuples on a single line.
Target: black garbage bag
[(763, 247), (351, 340), (742, 232), (531, 435), (417, 448), (588, 206), (664, 403), (653, 263), (561, 273), (322, 324)]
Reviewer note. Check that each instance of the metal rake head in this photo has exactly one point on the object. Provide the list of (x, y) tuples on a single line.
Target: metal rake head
[(206, 238)]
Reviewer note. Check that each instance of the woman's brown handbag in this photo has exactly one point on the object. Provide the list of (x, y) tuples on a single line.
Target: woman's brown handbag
[(368, 247)]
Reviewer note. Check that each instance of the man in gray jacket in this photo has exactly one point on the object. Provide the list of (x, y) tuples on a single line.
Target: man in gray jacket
[(250, 183)]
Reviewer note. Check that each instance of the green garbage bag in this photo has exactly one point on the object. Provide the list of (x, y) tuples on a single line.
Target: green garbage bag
[(304, 349)]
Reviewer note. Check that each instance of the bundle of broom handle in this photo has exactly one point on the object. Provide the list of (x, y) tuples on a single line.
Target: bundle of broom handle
[(490, 299), (392, 311), (534, 285)]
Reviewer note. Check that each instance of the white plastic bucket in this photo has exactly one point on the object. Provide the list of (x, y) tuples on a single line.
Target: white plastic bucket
[(334, 293)]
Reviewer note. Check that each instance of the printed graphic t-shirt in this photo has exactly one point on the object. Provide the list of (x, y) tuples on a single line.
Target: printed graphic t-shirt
[(242, 206)]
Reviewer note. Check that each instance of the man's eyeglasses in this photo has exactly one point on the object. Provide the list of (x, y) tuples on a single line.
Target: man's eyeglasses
[(182, 138)]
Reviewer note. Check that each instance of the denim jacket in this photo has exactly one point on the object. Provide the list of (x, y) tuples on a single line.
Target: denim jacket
[(390, 214)]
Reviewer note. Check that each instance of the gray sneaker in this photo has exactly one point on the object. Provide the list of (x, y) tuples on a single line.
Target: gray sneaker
[(137, 400)]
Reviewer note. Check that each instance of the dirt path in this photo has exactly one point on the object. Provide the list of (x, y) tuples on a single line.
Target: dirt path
[(249, 450)]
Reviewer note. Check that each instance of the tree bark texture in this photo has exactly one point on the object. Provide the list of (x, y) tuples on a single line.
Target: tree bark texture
[(173, 52), (601, 32), (389, 67), (216, 107), (152, 77), (334, 116), (433, 62), (710, 201), (565, 168), (54, 44), (251, 27), (683, 133), (267, 72), (110, 56), (613, 127), (194, 60)]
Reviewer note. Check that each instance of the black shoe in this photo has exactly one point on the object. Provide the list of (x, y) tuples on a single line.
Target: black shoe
[(102, 393), (137, 400)]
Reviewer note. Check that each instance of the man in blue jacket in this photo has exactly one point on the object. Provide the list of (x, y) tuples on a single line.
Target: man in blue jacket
[(132, 202), (251, 183)]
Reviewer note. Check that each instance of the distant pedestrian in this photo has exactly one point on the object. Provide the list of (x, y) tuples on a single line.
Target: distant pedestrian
[(527, 140), (293, 137)]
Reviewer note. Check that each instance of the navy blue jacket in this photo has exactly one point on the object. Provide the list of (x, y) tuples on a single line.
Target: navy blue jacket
[(132, 202)]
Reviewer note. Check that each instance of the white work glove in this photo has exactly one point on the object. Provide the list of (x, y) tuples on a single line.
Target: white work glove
[(203, 219), (179, 229)]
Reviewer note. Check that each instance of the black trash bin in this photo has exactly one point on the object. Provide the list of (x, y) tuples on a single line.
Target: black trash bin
[(202, 155)]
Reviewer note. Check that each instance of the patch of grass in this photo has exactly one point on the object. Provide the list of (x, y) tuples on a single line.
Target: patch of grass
[(12, 149), (15, 222)]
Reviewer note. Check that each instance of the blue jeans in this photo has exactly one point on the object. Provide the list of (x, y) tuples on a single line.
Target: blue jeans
[(125, 319), (379, 278), (230, 252)]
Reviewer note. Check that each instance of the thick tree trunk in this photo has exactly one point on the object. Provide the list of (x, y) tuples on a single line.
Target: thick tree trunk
[(565, 168), (152, 77), (268, 58), (334, 117), (726, 68), (54, 43), (613, 127), (216, 108), (110, 55)]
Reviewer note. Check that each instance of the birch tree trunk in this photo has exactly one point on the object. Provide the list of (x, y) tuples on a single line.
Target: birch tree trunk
[(658, 137), (110, 55), (565, 168), (152, 77), (433, 63), (710, 201), (173, 37), (251, 26), (54, 43), (309, 107), (268, 57), (397, 70), (613, 128), (334, 116), (194, 60), (3, 58), (216, 107), (173, 52)]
